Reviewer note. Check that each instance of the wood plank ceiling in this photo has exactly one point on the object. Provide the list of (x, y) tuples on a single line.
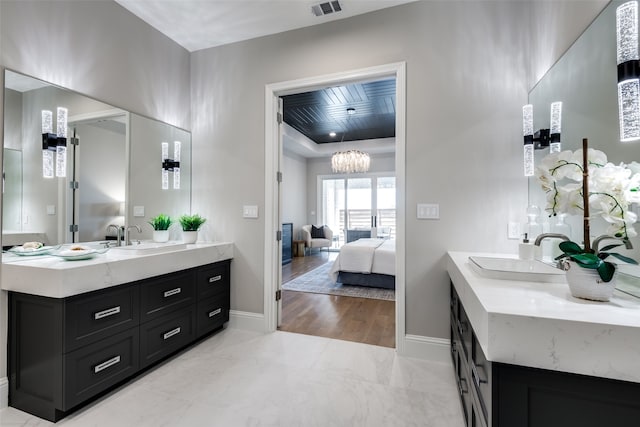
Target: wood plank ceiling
[(316, 114)]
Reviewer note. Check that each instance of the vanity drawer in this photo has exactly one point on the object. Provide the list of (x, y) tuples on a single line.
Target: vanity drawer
[(212, 313), (98, 366), (166, 294), (164, 335), (214, 279), (93, 316), (465, 331), (480, 369)]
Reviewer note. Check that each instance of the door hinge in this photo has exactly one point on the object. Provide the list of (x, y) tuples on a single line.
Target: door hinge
[(279, 177), (73, 228), (74, 141), (278, 295), (74, 185), (279, 235), (279, 118)]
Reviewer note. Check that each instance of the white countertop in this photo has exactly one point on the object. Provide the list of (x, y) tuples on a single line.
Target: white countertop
[(541, 325), (55, 277)]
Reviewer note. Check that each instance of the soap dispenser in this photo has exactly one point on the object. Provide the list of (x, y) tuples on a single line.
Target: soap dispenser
[(526, 250)]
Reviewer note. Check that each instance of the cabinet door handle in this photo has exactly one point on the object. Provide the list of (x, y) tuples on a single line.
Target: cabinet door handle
[(171, 333), (462, 389), (476, 377), (172, 292), (214, 312), (106, 313), (104, 365), (215, 278)]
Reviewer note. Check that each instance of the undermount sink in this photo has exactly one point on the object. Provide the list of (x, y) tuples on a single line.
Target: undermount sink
[(516, 269), (151, 247)]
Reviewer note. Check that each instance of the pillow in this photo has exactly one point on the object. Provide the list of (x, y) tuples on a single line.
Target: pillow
[(317, 232)]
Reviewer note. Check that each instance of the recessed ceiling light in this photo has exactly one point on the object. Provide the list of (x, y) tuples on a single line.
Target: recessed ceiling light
[(351, 110), (332, 134)]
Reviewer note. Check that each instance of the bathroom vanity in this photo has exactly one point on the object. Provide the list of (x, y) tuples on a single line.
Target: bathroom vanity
[(78, 328), (528, 354)]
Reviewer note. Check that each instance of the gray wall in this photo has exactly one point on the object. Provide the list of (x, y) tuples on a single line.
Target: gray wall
[(99, 49), (463, 132)]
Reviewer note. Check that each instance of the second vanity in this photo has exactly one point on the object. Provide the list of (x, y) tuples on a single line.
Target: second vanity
[(78, 328), (528, 354)]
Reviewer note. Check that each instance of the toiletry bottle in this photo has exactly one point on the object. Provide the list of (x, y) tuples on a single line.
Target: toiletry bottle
[(526, 250)]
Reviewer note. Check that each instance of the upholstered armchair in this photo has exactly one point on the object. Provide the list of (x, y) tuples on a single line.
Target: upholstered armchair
[(317, 237)]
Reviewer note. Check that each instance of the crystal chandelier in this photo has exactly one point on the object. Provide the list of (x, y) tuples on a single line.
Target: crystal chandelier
[(352, 161)]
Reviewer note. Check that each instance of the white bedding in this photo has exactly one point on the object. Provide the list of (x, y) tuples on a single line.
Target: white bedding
[(366, 256)]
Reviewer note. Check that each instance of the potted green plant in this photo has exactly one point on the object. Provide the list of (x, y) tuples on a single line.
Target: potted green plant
[(190, 226), (161, 224), (584, 183)]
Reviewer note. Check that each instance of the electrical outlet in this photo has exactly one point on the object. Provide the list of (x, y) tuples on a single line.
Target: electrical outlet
[(513, 230)]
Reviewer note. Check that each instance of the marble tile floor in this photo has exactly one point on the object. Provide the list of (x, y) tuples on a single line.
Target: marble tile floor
[(242, 378)]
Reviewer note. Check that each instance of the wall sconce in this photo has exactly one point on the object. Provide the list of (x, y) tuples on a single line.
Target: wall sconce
[(542, 138), (171, 165), (628, 71), (54, 143)]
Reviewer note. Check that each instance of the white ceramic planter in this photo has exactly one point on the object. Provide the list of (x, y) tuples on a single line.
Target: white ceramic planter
[(586, 283), (189, 236), (160, 236)]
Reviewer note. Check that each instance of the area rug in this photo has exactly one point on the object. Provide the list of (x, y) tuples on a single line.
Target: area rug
[(318, 282)]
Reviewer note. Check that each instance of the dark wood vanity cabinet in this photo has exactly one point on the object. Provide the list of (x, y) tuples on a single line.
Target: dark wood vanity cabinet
[(65, 351), (502, 395)]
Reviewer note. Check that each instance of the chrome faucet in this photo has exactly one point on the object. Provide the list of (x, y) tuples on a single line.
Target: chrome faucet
[(127, 236), (596, 242), (118, 233), (543, 236)]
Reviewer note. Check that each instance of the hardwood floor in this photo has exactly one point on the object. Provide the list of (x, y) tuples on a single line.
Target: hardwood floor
[(362, 320)]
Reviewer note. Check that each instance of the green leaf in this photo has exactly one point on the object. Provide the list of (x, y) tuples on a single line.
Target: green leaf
[(624, 258), (606, 271), (609, 247), (587, 260), (570, 248)]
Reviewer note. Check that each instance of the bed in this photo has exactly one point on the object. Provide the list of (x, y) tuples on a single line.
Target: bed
[(366, 262)]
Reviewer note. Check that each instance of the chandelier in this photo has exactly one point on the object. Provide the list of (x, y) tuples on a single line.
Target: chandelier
[(352, 161)]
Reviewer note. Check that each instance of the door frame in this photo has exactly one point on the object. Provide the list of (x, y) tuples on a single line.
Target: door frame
[(271, 213)]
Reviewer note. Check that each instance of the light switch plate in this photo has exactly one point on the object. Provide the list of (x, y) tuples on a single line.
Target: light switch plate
[(138, 211), (513, 230), (250, 211), (51, 209), (428, 211)]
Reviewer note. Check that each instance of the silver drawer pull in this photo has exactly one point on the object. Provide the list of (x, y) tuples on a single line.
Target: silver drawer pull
[(108, 312), (214, 312), (172, 292), (105, 365), (215, 278), (171, 333)]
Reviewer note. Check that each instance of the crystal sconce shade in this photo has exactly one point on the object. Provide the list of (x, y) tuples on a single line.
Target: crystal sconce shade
[(628, 71), (171, 165), (527, 133), (556, 127), (54, 165)]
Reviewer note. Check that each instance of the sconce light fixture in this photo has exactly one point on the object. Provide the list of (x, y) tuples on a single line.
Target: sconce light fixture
[(628, 71), (527, 132), (54, 143), (542, 138), (171, 165)]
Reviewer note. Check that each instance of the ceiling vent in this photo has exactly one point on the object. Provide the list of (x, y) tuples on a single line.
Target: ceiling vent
[(326, 8)]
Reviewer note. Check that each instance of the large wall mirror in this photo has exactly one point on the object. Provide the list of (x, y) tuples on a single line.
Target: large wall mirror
[(114, 175), (585, 80)]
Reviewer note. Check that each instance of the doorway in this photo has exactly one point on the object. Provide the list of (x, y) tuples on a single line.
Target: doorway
[(273, 160)]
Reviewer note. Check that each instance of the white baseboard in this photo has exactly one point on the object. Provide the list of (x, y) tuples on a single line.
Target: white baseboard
[(246, 320), (4, 392), (429, 348)]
